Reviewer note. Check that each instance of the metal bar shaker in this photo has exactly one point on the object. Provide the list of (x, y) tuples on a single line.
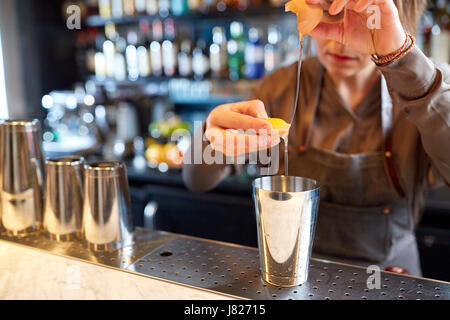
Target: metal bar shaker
[(64, 197), (21, 176), (286, 212), (107, 219)]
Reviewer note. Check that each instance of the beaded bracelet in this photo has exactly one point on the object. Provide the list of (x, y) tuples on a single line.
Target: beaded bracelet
[(397, 54)]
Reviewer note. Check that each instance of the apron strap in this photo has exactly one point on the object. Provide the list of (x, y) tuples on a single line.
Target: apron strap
[(309, 110), (387, 123)]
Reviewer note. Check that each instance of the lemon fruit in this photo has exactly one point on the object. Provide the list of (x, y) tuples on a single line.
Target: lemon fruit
[(280, 125)]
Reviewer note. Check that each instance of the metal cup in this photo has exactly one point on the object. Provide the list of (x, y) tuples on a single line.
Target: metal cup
[(21, 176), (107, 219), (286, 211), (64, 197)]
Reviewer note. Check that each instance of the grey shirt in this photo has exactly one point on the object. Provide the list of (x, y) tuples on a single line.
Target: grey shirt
[(420, 90)]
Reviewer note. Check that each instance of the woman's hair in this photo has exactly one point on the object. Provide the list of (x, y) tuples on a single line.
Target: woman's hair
[(410, 12)]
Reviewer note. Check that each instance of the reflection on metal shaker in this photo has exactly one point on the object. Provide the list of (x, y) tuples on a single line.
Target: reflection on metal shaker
[(64, 197), (286, 211), (107, 220), (21, 176)]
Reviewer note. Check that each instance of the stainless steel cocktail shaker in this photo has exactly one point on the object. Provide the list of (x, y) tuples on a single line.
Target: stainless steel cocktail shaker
[(21, 176), (286, 213), (107, 219), (64, 197)]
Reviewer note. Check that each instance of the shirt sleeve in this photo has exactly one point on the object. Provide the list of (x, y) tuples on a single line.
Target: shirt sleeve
[(199, 175), (422, 91)]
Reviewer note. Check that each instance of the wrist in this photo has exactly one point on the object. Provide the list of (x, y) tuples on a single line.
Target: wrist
[(384, 60), (395, 43)]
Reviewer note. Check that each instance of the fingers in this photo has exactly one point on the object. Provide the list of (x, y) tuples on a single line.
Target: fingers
[(362, 5), (254, 108), (239, 128), (242, 115), (337, 6), (234, 143)]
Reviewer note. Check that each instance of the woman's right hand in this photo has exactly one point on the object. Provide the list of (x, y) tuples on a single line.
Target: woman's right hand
[(239, 128)]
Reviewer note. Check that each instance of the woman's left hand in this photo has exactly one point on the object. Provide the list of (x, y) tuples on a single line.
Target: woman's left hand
[(357, 30)]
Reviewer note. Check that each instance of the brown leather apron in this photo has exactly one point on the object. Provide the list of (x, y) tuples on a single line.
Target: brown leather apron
[(364, 217)]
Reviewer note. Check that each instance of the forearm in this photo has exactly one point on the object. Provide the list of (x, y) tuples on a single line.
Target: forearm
[(200, 174), (422, 91)]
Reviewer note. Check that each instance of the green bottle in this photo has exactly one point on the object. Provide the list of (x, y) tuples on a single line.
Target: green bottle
[(236, 48)]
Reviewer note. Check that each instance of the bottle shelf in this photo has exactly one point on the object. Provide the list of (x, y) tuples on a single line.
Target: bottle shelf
[(182, 90), (229, 14)]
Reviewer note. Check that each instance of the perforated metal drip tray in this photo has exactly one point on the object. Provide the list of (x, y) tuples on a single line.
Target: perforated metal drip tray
[(233, 270), (143, 243)]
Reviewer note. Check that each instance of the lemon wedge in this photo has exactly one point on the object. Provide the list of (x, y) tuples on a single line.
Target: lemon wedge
[(308, 16), (280, 125)]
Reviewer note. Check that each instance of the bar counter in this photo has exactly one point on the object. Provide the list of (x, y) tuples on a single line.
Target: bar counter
[(162, 265)]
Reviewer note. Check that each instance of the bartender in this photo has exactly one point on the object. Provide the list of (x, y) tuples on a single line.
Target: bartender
[(372, 126)]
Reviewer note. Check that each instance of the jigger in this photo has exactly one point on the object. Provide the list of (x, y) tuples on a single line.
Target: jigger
[(286, 212), (107, 220), (64, 198), (21, 176)]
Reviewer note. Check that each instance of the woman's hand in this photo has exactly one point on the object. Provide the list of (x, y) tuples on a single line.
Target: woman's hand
[(357, 30), (238, 128)]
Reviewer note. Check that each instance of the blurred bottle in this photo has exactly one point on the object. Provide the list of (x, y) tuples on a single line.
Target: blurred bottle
[(290, 47), (273, 53), (100, 66), (117, 8), (208, 6), (236, 47), (223, 5), (164, 8), (152, 7), (179, 7), (109, 49), (277, 3), (129, 8), (143, 50), (185, 56), (120, 66), (218, 54), (155, 48), (92, 7), (200, 60), (91, 49), (254, 55), (100, 59), (140, 6), (194, 5), (104, 8), (131, 55), (169, 48), (440, 32)]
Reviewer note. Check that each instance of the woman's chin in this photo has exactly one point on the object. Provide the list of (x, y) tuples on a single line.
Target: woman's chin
[(341, 72)]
